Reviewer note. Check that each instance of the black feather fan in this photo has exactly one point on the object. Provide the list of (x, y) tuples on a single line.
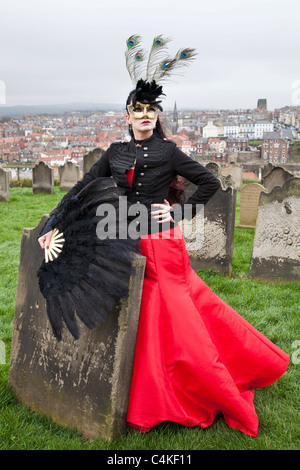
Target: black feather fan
[(89, 274)]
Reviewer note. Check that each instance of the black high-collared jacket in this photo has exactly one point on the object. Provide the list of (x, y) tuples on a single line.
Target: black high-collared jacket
[(156, 163)]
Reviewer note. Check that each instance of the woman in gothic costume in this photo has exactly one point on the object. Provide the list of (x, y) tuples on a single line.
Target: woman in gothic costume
[(195, 356)]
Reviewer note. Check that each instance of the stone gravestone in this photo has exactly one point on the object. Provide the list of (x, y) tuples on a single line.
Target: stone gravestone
[(42, 179), (69, 175), (276, 248), (90, 158), (275, 176), (83, 384), (213, 249), (233, 157), (266, 169), (4, 185), (249, 197), (216, 169), (236, 172)]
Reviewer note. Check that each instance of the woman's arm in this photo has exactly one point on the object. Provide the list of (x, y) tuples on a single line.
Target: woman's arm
[(197, 174), (193, 171)]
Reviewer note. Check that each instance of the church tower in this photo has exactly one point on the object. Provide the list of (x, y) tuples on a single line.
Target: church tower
[(174, 120)]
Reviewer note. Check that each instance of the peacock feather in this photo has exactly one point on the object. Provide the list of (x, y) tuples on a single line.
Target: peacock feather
[(134, 56), (156, 54), (159, 65), (138, 68), (168, 66)]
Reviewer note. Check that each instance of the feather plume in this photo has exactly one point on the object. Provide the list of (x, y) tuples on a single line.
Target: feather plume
[(139, 62), (185, 56), (168, 66), (147, 75), (159, 65), (156, 54), (148, 91), (134, 56)]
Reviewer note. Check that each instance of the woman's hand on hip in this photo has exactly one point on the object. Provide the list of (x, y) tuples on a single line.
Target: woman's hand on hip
[(163, 213)]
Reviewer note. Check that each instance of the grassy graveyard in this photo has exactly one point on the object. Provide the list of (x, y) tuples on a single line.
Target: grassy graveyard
[(272, 308)]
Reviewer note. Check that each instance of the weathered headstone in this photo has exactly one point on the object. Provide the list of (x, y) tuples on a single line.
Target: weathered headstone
[(236, 172), (277, 176), (214, 250), (216, 169), (276, 248), (84, 383), (233, 157), (42, 179), (69, 175), (92, 157), (249, 197), (266, 169), (4, 185)]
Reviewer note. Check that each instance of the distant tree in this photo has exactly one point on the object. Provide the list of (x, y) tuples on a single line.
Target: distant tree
[(4, 119), (255, 142)]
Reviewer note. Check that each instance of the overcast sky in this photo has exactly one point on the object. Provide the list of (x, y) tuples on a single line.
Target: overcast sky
[(65, 51)]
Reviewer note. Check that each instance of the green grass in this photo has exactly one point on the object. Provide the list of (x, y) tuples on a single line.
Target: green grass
[(294, 151), (272, 308)]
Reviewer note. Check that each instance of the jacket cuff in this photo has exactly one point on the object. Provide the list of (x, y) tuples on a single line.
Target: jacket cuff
[(48, 226)]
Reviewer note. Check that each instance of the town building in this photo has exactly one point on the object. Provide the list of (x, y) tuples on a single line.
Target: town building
[(274, 148), (237, 144), (211, 130), (261, 127), (231, 129)]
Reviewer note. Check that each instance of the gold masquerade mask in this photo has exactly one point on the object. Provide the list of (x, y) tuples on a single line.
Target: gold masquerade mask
[(140, 110)]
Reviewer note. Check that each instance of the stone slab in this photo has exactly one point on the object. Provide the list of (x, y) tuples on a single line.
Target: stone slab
[(42, 179), (4, 185), (276, 249), (236, 173), (83, 384), (214, 249), (69, 174), (91, 158), (249, 198), (275, 176)]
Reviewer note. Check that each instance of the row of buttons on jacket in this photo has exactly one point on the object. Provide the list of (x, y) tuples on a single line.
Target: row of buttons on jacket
[(140, 184), (142, 174)]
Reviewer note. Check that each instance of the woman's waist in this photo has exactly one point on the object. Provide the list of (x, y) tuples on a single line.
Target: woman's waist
[(144, 223), (165, 233)]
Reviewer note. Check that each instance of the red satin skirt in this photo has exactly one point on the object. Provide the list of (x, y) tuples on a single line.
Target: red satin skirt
[(195, 356)]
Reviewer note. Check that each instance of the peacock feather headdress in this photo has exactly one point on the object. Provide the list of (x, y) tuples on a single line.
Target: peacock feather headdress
[(148, 71)]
